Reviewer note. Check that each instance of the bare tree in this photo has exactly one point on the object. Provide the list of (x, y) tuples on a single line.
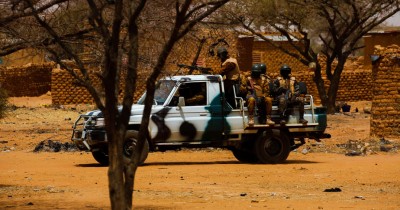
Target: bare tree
[(116, 26), (329, 28), (18, 30)]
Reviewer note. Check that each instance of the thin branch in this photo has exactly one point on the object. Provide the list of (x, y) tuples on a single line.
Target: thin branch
[(101, 26), (8, 49), (6, 20), (57, 39)]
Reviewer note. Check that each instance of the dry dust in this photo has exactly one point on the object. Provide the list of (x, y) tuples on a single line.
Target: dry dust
[(366, 178)]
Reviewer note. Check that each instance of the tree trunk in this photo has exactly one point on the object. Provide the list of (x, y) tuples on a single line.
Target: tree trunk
[(332, 97), (130, 87), (334, 86), (114, 127), (115, 173), (320, 84)]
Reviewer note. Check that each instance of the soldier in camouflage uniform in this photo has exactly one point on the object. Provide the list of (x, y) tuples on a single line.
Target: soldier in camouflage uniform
[(259, 94), (287, 91), (230, 71), (243, 82)]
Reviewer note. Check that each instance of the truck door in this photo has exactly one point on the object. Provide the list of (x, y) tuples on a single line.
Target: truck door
[(187, 114), (216, 125)]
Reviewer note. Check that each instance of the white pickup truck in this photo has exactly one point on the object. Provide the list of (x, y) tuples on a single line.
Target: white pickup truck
[(191, 111)]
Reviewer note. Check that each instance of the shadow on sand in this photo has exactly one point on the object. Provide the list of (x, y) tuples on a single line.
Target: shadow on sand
[(182, 163)]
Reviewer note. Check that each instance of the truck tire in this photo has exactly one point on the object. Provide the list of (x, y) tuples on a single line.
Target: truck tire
[(101, 157), (129, 143), (244, 156), (272, 146)]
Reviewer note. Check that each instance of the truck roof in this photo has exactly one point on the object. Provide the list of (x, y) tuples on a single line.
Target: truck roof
[(196, 77)]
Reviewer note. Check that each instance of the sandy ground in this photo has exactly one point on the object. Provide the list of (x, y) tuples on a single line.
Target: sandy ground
[(196, 179)]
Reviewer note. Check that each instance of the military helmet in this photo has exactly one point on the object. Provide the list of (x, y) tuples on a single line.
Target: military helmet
[(285, 71), (263, 68), (255, 70), (222, 52)]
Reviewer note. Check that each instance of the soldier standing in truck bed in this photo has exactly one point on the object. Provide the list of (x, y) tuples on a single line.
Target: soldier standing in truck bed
[(230, 71), (259, 94)]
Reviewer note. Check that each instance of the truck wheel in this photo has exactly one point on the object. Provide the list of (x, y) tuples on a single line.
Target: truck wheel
[(129, 144), (244, 156), (101, 157), (272, 146)]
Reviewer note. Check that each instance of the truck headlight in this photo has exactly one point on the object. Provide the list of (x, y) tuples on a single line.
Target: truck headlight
[(78, 134), (100, 122), (90, 121)]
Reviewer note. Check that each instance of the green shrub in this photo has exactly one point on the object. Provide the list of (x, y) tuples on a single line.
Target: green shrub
[(3, 102)]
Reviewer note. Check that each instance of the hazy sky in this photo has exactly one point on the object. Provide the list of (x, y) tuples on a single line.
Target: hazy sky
[(394, 20)]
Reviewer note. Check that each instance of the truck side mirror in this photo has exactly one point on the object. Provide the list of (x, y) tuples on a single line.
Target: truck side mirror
[(181, 101)]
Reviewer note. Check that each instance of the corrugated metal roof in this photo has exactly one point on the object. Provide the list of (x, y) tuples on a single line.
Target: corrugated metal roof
[(385, 30), (275, 38)]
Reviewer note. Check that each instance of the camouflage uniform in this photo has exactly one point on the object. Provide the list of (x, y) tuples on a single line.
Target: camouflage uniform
[(230, 69), (259, 94), (243, 84), (287, 92), (231, 73)]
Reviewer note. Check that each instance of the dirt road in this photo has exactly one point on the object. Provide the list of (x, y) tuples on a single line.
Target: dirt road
[(203, 180), (194, 179)]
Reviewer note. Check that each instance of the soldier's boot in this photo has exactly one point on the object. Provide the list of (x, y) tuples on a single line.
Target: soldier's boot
[(283, 121), (251, 120), (282, 108), (301, 112), (269, 121), (303, 121)]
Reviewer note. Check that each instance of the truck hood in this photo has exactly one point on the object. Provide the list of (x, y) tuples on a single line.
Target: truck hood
[(136, 109)]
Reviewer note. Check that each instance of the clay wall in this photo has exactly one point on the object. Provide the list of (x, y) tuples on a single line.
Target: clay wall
[(65, 90), (385, 118), (356, 79), (355, 82), (28, 80)]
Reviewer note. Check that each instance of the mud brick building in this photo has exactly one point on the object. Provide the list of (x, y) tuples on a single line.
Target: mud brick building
[(385, 37), (360, 80), (385, 118), (37, 79)]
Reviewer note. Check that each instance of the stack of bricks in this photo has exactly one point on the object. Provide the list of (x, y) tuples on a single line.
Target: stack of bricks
[(140, 86), (28, 80), (355, 86), (66, 91), (355, 80), (385, 118)]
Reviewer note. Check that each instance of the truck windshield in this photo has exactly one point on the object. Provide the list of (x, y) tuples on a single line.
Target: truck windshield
[(163, 89)]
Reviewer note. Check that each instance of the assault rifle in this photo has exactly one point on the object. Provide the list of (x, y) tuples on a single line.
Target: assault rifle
[(203, 70)]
